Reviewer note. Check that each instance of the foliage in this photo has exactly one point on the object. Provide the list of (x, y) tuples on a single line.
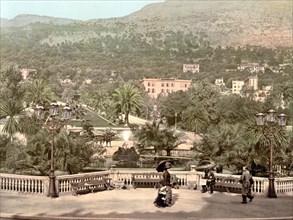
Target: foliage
[(221, 143), (10, 83), (125, 154), (152, 137), (261, 139), (38, 92), (128, 100), (4, 141), (201, 111), (174, 103), (11, 110)]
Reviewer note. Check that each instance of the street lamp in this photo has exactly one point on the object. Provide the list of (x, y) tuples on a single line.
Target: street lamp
[(53, 124), (271, 120)]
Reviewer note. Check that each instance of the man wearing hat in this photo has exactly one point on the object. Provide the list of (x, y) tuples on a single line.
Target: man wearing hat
[(245, 181)]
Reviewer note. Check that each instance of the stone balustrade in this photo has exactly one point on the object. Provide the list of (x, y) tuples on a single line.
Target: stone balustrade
[(24, 184)]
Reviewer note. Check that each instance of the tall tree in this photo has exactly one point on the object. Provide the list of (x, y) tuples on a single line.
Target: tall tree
[(11, 110), (157, 137), (201, 111), (39, 93), (10, 83), (128, 100), (262, 137)]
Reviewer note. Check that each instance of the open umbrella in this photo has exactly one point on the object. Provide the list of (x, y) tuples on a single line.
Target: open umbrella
[(161, 165)]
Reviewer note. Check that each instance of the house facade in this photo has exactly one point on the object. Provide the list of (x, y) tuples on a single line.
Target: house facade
[(237, 86), (164, 86), (193, 68)]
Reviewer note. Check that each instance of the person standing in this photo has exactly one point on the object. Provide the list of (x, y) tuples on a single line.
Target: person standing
[(246, 186), (204, 187), (164, 197), (211, 181), (167, 183)]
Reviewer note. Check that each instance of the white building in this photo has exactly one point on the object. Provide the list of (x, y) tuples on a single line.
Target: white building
[(193, 68), (164, 86), (237, 86)]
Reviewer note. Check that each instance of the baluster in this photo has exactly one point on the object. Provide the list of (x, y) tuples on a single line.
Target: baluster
[(17, 184), (25, 185), (67, 186), (61, 186), (36, 186), (9, 184), (12, 184), (5, 183), (41, 186)]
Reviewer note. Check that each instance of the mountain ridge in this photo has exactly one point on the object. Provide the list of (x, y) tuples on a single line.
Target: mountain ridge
[(224, 23)]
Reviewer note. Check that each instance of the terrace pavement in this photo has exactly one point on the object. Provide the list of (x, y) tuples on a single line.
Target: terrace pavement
[(138, 204)]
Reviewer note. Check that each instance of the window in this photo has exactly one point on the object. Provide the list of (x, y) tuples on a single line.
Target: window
[(153, 90), (162, 90), (149, 84), (163, 84), (167, 84), (149, 90)]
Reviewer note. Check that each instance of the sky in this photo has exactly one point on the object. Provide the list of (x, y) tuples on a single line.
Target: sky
[(74, 9)]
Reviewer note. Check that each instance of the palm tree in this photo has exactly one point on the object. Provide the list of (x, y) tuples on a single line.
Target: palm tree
[(151, 135), (128, 100), (11, 110), (38, 92), (261, 138), (196, 119)]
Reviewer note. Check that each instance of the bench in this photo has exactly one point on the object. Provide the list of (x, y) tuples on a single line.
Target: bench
[(228, 185), (90, 185), (150, 180)]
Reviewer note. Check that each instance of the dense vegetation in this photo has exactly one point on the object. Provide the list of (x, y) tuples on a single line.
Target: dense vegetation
[(105, 59)]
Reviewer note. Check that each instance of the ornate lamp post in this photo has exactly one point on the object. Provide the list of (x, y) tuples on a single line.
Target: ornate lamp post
[(270, 121), (53, 124)]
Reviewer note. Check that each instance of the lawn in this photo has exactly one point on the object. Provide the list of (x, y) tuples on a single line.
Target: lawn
[(94, 119)]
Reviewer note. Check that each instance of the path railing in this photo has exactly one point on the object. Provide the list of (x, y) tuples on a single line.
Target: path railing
[(31, 185), (24, 184)]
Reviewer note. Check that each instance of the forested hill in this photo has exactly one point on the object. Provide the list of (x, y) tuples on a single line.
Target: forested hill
[(238, 23), (153, 42)]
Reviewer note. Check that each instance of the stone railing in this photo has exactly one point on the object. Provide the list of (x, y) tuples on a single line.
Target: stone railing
[(23, 184), (184, 178)]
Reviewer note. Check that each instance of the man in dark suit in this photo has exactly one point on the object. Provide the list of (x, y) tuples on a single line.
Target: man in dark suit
[(246, 185)]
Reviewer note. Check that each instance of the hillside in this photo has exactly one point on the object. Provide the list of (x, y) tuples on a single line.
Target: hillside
[(236, 23), (23, 20), (153, 42)]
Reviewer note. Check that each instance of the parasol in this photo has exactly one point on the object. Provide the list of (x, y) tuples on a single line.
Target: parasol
[(161, 165)]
